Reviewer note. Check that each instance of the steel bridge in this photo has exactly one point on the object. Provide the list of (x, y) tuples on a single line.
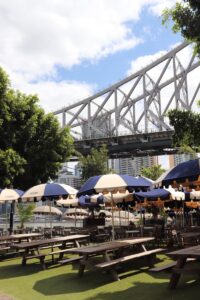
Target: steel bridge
[(131, 115)]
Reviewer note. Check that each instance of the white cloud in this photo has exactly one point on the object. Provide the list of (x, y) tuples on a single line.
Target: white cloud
[(38, 36), (159, 6), (54, 95)]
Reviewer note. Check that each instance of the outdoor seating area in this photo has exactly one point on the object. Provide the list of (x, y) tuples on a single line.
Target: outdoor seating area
[(145, 242)]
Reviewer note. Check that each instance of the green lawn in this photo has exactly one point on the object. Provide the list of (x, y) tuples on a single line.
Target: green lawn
[(31, 283)]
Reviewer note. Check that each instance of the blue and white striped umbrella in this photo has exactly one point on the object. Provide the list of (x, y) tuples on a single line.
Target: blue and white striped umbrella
[(112, 183), (7, 195), (49, 190), (186, 172)]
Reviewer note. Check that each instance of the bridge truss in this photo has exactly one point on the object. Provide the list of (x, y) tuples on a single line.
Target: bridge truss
[(138, 104)]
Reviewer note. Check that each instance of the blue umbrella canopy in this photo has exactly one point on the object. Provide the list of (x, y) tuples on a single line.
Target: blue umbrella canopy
[(112, 182), (189, 170), (153, 195), (85, 200), (146, 181)]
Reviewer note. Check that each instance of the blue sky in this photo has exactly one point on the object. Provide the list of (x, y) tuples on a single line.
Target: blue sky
[(66, 50), (112, 68)]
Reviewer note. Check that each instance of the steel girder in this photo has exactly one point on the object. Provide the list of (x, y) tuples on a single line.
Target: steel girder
[(140, 102)]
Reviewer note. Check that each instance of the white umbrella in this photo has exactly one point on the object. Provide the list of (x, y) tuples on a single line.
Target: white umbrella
[(195, 195), (10, 195), (50, 190), (67, 202), (7, 195), (112, 183), (47, 210), (75, 213)]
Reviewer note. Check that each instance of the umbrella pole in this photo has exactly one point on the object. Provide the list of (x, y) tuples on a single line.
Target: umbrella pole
[(11, 217), (119, 217), (75, 218), (6, 218), (128, 215), (183, 215), (50, 220), (113, 227)]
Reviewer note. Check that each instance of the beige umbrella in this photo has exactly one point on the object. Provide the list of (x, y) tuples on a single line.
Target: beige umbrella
[(47, 210), (117, 198), (10, 195), (72, 213), (67, 202)]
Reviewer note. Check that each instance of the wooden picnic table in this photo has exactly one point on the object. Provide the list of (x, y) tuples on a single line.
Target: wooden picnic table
[(19, 237), (181, 256), (189, 238), (118, 246), (132, 233), (33, 249)]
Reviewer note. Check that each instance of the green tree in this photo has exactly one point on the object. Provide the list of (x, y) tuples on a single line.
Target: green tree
[(25, 212), (95, 163), (35, 142), (186, 133), (185, 16), (153, 172)]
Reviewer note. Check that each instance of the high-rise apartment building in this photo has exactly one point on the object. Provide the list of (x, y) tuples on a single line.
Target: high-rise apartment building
[(175, 159), (133, 166)]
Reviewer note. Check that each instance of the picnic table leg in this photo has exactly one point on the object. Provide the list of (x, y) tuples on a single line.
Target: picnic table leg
[(77, 244), (113, 272), (151, 260), (175, 276), (25, 254), (82, 265)]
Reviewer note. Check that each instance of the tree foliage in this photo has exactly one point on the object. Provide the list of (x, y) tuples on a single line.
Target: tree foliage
[(95, 163), (25, 212), (186, 129), (153, 172), (185, 16), (32, 144)]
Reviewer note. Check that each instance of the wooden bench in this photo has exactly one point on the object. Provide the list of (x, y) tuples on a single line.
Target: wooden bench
[(50, 246), (69, 260), (164, 267), (70, 244), (5, 248), (41, 257), (61, 252), (111, 264)]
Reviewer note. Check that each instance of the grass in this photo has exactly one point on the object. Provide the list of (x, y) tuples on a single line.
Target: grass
[(62, 282)]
